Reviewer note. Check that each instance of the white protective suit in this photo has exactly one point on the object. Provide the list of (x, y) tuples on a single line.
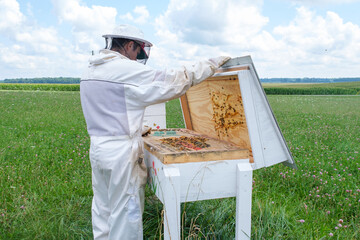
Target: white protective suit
[(114, 93)]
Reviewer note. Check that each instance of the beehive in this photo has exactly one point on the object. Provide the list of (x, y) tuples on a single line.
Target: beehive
[(230, 107)]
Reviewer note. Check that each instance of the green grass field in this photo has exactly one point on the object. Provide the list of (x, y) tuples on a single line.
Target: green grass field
[(45, 175)]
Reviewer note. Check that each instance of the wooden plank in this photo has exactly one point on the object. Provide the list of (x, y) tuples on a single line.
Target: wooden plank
[(216, 110), (219, 78), (186, 112), (217, 149), (202, 157)]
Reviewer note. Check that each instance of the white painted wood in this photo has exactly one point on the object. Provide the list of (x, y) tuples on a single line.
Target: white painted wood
[(156, 109), (199, 180), (239, 61), (267, 142), (171, 200), (154, 121), (243, 201), (208, 180), (156, 176), (184, 182), (245, 80), (155, 115), (273, 144)]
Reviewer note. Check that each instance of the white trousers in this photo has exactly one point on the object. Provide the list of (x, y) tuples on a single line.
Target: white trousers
[(118, 179)]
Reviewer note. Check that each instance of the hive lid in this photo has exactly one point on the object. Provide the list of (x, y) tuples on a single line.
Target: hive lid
[(232, 106)]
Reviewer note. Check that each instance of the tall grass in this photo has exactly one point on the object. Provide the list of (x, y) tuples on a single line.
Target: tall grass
[(45, 176)]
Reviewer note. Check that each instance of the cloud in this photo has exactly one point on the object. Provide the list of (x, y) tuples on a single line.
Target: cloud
[(15, 26), (192, 30), (142, 15), (20, 60), (10, 17), (36, 51), (88, 24), (318, 43), (33, 51), (310, 45), (84, 18), (40, 40), (211, 22)]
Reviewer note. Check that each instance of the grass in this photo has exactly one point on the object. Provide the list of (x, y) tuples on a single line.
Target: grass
[(323, 136), (45, 175), (44, 168)]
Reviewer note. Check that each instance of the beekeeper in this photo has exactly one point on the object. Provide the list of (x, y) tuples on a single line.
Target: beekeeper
[(115, 90)]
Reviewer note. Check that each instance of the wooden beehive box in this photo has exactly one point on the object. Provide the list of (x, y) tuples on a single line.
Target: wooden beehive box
[(184, 145), (230, 107)]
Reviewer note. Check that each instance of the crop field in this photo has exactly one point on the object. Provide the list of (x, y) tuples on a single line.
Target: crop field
[(45, 174), (40, 86), (340, 88), (312, 85)]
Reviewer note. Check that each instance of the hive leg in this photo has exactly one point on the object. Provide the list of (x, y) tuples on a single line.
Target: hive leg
[(171, 202), (243, 201)]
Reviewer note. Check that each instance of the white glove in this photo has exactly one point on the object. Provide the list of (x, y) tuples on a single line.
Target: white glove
[(219, 61), (146, 130), (205, 69)]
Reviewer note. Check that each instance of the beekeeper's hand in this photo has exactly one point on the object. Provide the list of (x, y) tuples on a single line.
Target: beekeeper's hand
[(219, 61), (146, 130), (205, 69)]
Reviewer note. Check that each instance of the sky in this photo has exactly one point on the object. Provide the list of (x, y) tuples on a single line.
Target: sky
[(285, 38)]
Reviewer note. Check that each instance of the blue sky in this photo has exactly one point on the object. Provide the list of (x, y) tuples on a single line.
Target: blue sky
[(285, 38)]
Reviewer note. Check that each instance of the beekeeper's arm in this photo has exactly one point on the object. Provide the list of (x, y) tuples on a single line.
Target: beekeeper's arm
[(168, 85)]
